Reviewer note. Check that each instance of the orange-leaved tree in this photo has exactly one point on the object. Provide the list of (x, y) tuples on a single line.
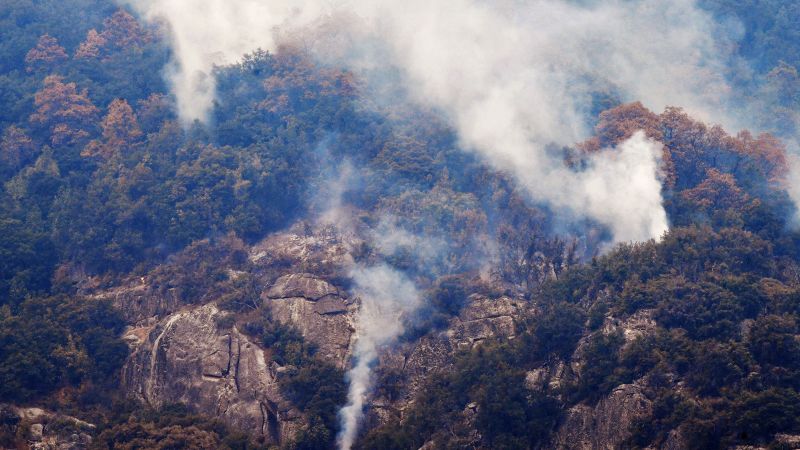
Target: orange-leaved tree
[(120, 32), (120, 131), (67, 113), (92, 46), (46, 55)]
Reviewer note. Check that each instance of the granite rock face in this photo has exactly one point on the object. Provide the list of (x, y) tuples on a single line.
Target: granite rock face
[(303, 285), (140, 302), (483, 318), (302, 249), (191, 354), (551, 376), (189, 358), (606, 425), (316, 308)]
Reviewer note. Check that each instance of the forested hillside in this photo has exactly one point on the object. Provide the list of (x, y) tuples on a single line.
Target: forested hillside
[(125, 228)]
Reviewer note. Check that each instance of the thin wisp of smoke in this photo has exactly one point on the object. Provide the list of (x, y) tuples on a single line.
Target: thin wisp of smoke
[(386, 296)]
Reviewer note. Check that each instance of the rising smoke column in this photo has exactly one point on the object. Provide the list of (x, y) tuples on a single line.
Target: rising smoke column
[(386, 296)]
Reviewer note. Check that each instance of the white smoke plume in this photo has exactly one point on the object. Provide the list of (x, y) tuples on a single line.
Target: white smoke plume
[(621, 184), (390, 239), (329, 198), (386, 297), (512, 76)]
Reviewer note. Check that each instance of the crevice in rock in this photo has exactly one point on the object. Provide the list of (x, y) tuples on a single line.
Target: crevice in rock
[(270, 425), (332, 313), (263, 409), (236, 368), (230, 356), (212, 377), (496, 316), (273, 425)]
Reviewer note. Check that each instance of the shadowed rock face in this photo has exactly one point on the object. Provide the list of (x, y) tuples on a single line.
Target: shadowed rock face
[(481, 318), (606, 424), (187, 358)]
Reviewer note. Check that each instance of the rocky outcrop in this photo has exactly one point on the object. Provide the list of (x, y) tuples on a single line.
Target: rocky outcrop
[(303, 285), (427, 355), (45, 430), (483, 318), (303, 249), (787, 441), (606, 425), (139, 302), (189, 358), (631, 328), (191, 354), (550, 377), (638, 325), (317, 309)]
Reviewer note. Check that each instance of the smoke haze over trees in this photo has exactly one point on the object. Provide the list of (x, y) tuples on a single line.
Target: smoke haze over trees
[(566, 155)]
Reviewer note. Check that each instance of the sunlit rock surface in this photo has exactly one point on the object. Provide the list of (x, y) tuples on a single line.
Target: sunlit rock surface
[(189, 358)]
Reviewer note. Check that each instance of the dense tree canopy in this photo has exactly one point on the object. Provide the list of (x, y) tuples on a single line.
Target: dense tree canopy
[(100, 181)]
